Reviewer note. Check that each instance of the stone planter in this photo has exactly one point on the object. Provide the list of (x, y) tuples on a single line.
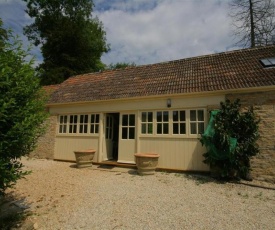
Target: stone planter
[(146, 163), (84, 158)]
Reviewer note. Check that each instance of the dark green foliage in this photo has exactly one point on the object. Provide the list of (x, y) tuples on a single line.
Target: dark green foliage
[(231, 126), (22, 110), (72, 42), (3, 35), (120, 65)]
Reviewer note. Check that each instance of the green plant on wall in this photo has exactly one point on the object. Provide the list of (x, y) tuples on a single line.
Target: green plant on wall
[(230, 140)]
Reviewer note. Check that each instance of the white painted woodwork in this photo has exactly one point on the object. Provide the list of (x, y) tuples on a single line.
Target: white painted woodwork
[(127, 147), (66, 145), (183, 153)]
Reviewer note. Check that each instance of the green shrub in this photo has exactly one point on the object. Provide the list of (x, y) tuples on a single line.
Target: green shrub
[(233, 141), (22, 109)]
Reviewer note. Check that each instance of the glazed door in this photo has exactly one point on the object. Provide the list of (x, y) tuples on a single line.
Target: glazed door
[(127, 138), (109, 132)]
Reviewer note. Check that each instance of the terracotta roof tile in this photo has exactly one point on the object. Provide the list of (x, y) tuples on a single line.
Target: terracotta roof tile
[(49, 89), (224, 71)]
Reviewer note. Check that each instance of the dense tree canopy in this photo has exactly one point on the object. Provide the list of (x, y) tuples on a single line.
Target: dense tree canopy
[(254, 22), (120, 65), (72, 41), (22, 109)]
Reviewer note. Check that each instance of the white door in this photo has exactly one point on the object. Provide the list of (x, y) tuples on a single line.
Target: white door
[(109, 129), (127, 138)]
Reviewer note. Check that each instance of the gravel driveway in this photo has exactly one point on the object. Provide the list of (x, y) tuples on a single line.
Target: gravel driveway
[(64, 197)]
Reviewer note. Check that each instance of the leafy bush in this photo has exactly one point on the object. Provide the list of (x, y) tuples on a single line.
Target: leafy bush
[(22, 109), (233, 142)]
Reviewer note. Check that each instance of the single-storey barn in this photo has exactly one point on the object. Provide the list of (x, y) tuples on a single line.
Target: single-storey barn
[(161, 108)]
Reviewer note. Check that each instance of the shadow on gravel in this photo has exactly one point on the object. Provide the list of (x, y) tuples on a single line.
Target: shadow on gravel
[(202, 179), (73, 166), (133, 172), (13, 213)]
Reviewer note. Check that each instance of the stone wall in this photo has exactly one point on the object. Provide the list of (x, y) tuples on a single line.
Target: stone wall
[(263, 165), (45, 145)]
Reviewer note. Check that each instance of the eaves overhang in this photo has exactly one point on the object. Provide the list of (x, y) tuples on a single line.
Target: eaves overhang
[(186, 95)]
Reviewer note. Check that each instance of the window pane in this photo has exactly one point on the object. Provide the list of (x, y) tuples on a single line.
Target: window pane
[(132, 120), (64, 129), (159, 116), (125, 120), (92, 129), (81, 118), (150, 116), (61, 119), (200, 115), (182, 116), (193, 116), (71, 119), (159, 128), (175, 128), (175, 115), (92, 118), (182, 128), (193, 128), (124, 133), (85, 129), (81, 129), (96, 128), (165, 128), (86, 119), (143, 117), (75, 128), (97, 118), (150, 128), (143, 128), (60, 128), (165, 116), (131, 133), (71, 129), (201, 128), (75, 119), (65, 119)]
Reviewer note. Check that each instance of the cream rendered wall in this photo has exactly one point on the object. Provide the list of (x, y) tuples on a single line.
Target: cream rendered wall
[(176, 153), (66, 145)]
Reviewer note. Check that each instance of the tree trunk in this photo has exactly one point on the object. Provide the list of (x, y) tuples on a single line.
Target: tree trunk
[(252, 26)]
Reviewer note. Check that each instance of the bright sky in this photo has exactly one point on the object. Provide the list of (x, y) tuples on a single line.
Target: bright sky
[(148, 31)]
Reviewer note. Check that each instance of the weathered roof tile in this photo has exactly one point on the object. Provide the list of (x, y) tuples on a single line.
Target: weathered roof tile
[(224, 71)]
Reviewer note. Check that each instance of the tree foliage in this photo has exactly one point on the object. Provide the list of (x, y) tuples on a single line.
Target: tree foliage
[(120, 65), (231, 126), (72, 41), (22, 110), (254, 22)]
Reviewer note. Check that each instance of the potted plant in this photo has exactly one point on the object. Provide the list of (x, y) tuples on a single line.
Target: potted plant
[(146, 163), (84, 158)]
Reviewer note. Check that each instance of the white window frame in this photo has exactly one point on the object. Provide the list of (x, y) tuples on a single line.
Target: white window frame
[(179, 122), (73, 126), (162, 122), (67, 126), (146, 123), (128, 126), (94, 124), (171, 122), (62, 125), (196, 122), (83, 124)]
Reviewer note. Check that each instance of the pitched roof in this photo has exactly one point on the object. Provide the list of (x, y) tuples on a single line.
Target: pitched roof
[(223, 71), (50, 89)]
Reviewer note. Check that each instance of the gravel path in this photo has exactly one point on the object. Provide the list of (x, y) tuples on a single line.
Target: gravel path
[(63, 197)]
